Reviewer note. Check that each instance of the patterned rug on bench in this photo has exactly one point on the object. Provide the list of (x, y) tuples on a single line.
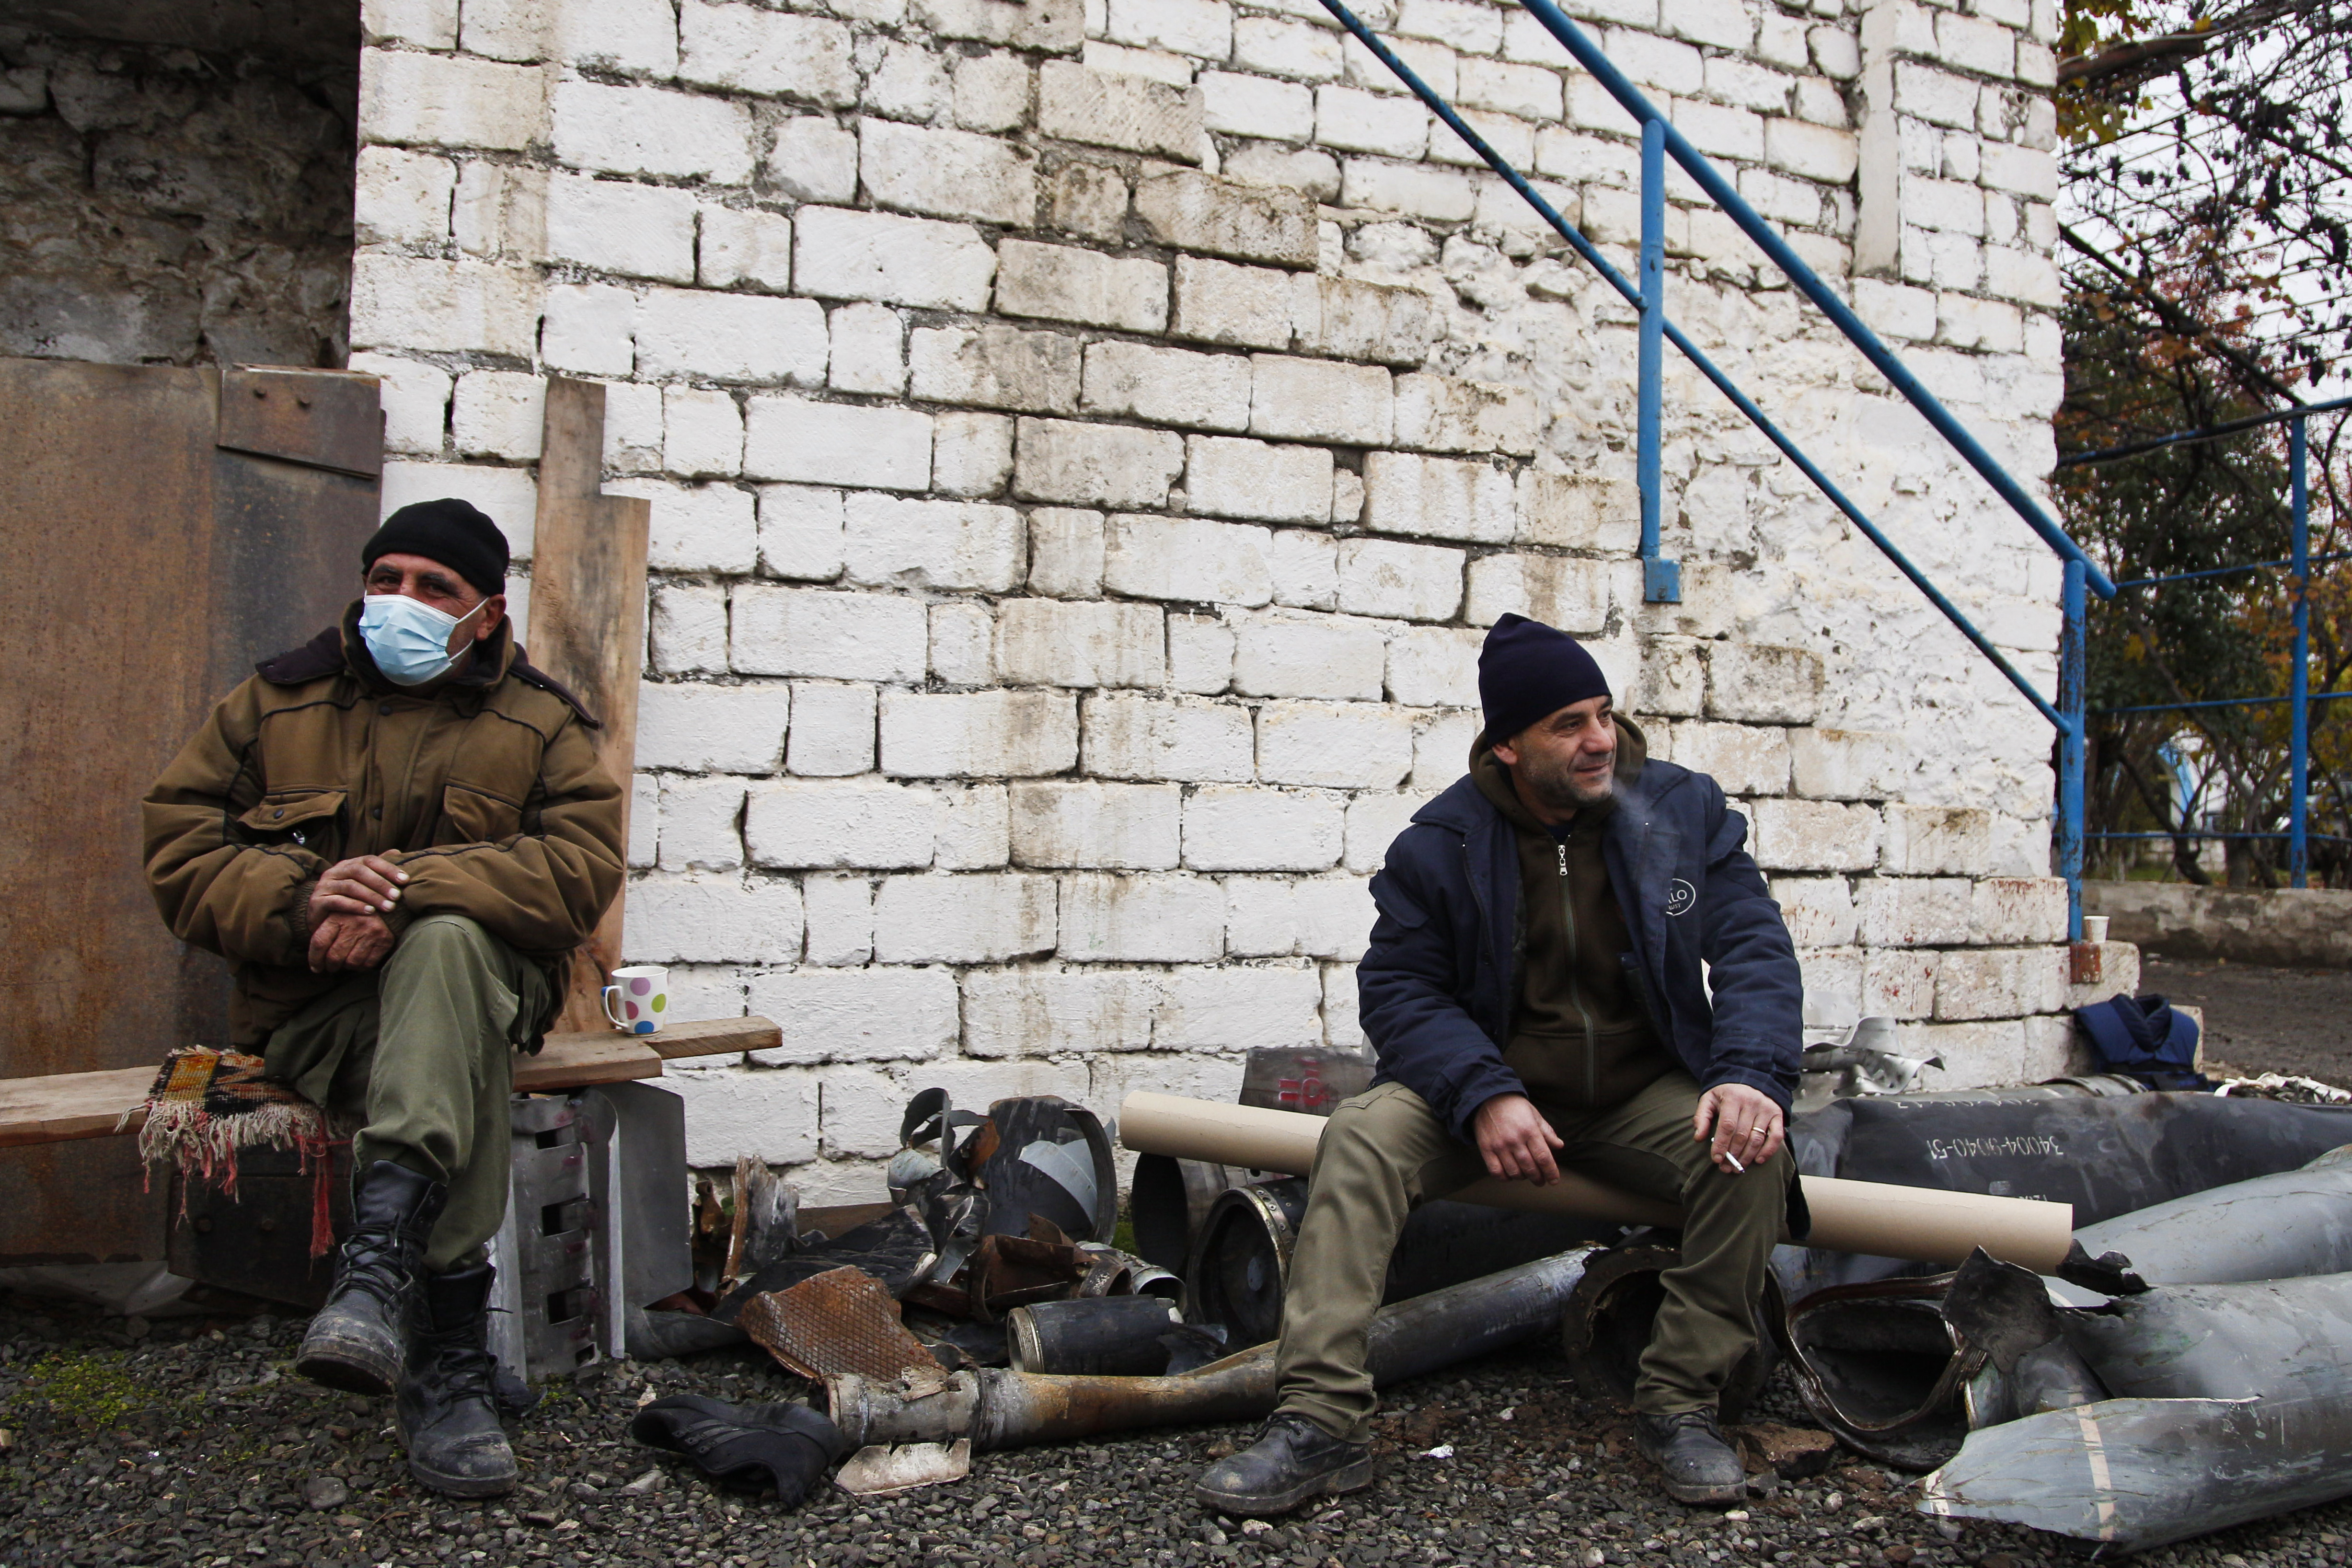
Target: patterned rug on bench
[(206, 1105)]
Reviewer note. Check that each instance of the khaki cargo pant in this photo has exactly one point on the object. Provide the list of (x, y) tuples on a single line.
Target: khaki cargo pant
[(1386, 1152), (422, 1050)]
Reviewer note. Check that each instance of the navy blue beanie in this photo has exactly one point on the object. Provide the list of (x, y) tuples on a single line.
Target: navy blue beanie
[(1528, 671)]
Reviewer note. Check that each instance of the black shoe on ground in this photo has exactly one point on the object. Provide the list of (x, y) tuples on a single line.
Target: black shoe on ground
[(1292, 1460), (1688, 1446), (448, 1403), (358, 1341), (746, 1446)]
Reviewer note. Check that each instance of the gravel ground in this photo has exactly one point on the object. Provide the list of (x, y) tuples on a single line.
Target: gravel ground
[(2265, 1020), (189, 1442)]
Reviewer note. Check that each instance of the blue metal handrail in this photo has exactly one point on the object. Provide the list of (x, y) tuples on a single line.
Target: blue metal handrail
[(2223, 702), (1662, 577), (2208, 432), (2299, 696), (2229, 570), (1882, 358)]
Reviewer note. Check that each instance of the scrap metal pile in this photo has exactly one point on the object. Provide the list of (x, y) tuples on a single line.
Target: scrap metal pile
[(2186, 1365)]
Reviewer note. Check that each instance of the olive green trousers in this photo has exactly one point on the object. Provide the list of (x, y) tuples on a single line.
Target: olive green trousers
[(1386, 1152), (421, 1050)]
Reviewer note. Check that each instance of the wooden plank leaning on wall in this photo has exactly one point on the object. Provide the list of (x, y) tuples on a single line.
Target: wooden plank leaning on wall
[(588, 622)]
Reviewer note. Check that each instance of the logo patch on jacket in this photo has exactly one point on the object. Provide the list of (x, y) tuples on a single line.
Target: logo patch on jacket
[(1680, 896)]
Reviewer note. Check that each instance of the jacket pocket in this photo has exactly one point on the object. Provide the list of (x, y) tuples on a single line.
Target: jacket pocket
[(312, 818), (475, 818)]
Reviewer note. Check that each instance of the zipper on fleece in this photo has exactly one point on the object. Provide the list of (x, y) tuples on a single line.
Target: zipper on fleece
[(1576, 991)]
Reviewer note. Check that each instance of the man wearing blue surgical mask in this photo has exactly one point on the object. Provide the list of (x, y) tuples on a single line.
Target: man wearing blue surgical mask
[(398, 834)]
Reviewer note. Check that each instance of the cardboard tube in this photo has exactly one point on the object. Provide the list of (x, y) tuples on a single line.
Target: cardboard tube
[(1875, 1217)]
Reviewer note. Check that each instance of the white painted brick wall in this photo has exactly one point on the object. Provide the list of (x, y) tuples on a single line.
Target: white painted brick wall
[(1031, 1013), (858, 1015), (1131, 736), (833, 730), (1309, 657), (816, 631), (896, 541), (732, 337), (1045, 642), (1256, 478), (1095, 464), (694, 728), (1352, 745), (984, 734), (1234, 827), (1439, 497), (974, 919), (1170, 386), (837, 443), (1105, 826), (1061, 573), (857, 822), (1185, 558), (1143, 919)]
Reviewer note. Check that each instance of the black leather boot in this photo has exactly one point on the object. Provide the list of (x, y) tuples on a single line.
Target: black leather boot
[(358, 1340), (1292, 1460), (448, 1400), (1688, 1446)]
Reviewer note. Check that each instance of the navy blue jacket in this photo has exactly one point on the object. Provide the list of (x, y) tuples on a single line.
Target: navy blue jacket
[(1437, 982)]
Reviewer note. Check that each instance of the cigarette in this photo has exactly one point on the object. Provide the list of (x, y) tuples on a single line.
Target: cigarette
[(1738, 1168)]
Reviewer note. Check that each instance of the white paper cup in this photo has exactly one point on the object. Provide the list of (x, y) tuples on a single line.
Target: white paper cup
[(2095, 928)]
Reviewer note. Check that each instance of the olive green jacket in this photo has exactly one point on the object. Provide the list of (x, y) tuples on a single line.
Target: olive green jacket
[(484, 787)]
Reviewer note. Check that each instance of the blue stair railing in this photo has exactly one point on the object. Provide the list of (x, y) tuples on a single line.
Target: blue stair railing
[(1661, 577), (2299, 695)]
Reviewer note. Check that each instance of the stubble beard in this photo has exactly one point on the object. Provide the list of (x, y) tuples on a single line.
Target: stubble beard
[(1558, 788)]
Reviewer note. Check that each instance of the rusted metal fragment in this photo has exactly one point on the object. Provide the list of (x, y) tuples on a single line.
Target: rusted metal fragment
[(895, 1249), (1878, 1365), (878, 1471), (319, 418), (1009, 1271), (1792, 1453), (1003, 1409), (843, 1321)]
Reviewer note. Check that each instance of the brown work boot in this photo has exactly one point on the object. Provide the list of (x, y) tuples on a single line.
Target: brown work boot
[(359, 1340)]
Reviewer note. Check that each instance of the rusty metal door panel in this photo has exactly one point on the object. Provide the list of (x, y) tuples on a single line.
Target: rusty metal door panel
[(317, 417), (149, 569)]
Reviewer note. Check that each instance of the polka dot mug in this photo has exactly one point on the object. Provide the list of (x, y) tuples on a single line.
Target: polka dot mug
[(638, 999)]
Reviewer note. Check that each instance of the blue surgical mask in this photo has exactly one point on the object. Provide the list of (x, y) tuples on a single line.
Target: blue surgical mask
[(408, 639)]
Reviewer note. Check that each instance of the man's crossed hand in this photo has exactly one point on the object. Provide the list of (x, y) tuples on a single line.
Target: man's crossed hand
[(347, 911)]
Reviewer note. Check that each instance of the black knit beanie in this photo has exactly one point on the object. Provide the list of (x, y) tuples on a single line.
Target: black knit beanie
[(450, 531), (1528, 670)]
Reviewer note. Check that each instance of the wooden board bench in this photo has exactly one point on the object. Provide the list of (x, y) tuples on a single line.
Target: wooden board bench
[(66, 1106)]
